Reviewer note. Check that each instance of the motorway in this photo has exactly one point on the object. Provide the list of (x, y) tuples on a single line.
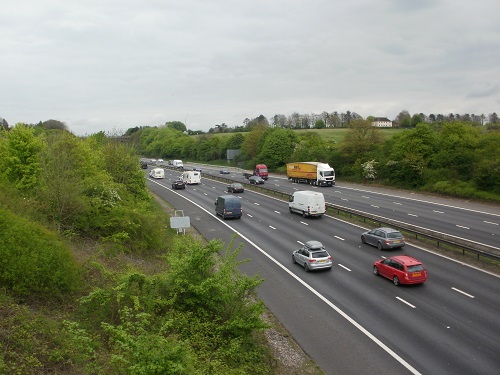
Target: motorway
[(348, 320), (462, 219)]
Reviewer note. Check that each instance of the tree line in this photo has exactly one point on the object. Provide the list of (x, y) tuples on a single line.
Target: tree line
[(452, 156), (343, 119)]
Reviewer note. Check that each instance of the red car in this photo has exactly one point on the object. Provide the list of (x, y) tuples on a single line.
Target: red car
[(401, 269)]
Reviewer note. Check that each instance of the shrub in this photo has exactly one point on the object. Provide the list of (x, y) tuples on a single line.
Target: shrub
[(34, 262)]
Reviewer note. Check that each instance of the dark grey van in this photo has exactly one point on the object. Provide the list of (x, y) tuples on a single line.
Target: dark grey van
[(228, 206)]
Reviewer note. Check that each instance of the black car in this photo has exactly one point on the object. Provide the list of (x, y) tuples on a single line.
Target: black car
[(144, 164), (178, 184), (235, 187), (256, 180)]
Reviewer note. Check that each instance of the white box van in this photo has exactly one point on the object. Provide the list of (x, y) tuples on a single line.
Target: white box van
[(307, 203), (177, 164), (191, 177), (157, 173)]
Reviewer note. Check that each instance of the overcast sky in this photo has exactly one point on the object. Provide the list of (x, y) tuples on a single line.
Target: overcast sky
[(114, 64)]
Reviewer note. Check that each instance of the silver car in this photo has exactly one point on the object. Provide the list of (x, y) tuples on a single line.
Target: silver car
[(383, 238), (312, 256)]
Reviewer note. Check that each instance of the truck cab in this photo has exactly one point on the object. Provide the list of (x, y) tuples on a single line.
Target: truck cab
[(261, 171)]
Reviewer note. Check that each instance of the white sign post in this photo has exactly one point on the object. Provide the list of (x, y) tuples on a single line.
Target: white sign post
[(180, 222)]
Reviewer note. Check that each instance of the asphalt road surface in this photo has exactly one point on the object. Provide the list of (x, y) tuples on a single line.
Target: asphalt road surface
[(347, 319)]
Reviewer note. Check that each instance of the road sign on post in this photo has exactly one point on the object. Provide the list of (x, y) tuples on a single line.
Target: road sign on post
[(180, 222)]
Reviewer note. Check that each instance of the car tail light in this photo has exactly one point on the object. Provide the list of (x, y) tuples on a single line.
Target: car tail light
[(329, 258), (312, 260), (308, 208)]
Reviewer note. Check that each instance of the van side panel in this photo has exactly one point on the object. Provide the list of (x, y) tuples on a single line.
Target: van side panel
[(307, 203), (228, 206)]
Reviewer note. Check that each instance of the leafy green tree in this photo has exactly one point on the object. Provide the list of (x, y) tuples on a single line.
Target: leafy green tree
[(122, 164), (319, 124), (54, 124), (457, 152), (311, 147), (258, 122), (252, 141), (209, 147), (277, 147), (20, 161), (493, 118), (236, 141), (404, 119), (176, 125), (361, 139), (187, 147), (62, 172), (416, 119), (409, 155), (4, 125)]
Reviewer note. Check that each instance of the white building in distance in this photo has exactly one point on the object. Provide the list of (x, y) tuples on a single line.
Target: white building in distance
[(382, 122)]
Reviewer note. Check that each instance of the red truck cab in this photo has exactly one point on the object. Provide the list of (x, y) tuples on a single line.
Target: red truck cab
[(261, 171)]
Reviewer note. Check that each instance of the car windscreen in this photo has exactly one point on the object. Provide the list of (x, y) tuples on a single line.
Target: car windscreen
[(415, 268), (394, 235), (320, 254)]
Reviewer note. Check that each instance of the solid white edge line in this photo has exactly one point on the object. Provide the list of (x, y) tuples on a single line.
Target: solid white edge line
[(311, 289)]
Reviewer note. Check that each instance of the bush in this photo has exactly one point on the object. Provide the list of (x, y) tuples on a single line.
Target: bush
[(455, 188), (34, 262)]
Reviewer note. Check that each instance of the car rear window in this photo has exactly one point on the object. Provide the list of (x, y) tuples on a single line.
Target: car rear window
[(394, 235), (319, 254), (415, 268)]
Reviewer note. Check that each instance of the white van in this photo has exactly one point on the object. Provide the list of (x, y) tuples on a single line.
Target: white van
[(307, 203), (157, 173), (191, 177), (177, 164)]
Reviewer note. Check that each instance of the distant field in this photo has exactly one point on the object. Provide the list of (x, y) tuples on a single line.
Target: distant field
[(332, 134), (337, 134)]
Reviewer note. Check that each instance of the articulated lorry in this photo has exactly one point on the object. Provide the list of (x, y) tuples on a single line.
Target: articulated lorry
[(260, 170), (311, 172)]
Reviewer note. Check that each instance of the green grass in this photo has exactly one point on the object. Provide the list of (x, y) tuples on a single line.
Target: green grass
[(331, 134), (337, 135)]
